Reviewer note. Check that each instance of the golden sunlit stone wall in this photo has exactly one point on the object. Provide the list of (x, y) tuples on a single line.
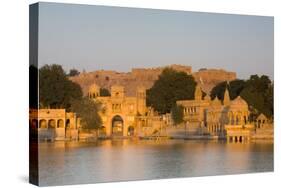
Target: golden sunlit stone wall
[(124, 115), (54, 123), (119, 109), (212, 116)]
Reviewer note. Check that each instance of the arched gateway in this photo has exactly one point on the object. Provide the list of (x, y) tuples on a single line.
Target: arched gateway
[(117, 126)]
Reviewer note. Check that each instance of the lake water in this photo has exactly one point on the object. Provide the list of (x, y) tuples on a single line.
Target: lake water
[(122, 160)]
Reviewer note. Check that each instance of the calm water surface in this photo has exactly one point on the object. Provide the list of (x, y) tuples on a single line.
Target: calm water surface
[(122, 160)]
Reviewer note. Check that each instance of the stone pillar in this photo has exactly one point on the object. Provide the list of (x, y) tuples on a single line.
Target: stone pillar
[(108, 128), (74, 121)]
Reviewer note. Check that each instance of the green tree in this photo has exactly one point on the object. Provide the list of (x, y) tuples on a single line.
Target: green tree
[(55, 89), (260, 84), (73, 72), (234, 87), (88, 111), (170, 87), (104, 92), (177, 114), (257, 91), (269, 100), (255, 101)]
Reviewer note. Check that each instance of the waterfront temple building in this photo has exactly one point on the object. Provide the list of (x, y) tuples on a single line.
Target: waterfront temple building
[(119, 112), (222, 119), (127, 116)]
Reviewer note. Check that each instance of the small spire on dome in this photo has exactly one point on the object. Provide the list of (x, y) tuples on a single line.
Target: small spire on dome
[(226, 98)]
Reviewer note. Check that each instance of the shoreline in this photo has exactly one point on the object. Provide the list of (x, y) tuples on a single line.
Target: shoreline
[(186, 138)]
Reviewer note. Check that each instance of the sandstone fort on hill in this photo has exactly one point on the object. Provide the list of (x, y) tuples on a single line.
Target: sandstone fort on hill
[(206, 78)]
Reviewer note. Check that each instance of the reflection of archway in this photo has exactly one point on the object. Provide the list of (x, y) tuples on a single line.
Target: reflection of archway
[(117, 126)]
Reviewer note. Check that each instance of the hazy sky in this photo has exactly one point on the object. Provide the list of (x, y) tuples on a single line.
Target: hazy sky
[(112, 38)]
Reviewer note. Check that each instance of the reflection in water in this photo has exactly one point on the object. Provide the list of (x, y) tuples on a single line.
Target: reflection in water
[(121, 160)]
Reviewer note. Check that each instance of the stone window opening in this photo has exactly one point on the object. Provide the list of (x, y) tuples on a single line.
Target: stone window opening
[(51, 124), (60, 124), (42, 123)]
